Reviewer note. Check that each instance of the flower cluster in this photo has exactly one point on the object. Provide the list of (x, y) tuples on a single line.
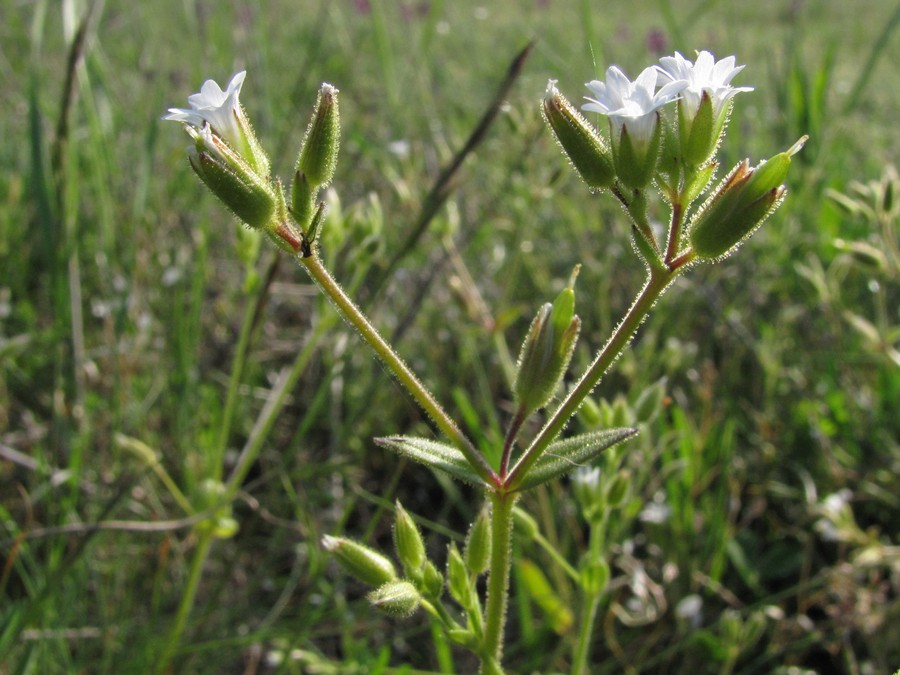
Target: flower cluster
[(229, 159), (675, 152)]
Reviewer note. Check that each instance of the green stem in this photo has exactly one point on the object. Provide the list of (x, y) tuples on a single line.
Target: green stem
[(585, 633), (402, 372), (498, 581), (656, 283), (514, 426), (187, 599)]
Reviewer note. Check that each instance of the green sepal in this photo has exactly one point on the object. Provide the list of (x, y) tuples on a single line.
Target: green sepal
[(636, 166), (698, 137), (546, 352), (585, 148), (437, 455), (318, 154), (697, 182), (303, 200), (563, 456), (248, 197), (477, 551), (397, 598), (408, 542), (458, 581), (364, 563)]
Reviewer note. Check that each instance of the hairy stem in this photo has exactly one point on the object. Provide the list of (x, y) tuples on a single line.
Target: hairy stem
[(402, 372), (656, 283), (498, 581)]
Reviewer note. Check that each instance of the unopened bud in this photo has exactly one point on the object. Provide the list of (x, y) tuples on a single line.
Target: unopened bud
[(578, 139), (478, 544), (362, 562), (458, 578), (408, 542), (741, 203), (398, 598), (546, 351), (318, 154)]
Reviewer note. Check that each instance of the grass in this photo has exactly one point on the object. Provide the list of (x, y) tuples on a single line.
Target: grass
[(125, 291)]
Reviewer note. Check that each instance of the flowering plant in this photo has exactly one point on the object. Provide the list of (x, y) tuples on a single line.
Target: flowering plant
[(648, 149)]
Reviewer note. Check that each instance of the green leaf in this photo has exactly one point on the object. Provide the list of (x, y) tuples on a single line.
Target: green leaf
[(564, 456), (439, 456)]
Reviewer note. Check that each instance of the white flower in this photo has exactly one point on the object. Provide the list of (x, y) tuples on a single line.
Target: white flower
[(632, 104), (703, 76), (221, 109)]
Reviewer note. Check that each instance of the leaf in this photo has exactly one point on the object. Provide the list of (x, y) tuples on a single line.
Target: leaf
[(439, 456), (564, 456)]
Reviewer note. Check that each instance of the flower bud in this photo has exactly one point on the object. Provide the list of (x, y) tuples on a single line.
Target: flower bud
[(398, 598), (432, 581), (578, 139), (318, 154), (594, 576), (477, 551), (546, 351), (408, 542), (231, 179), (362, 562), (458, 578), (744, 200)]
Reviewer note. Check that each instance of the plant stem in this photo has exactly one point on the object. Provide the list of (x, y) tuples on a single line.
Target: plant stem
[(187, 599), (402, 372), (656, 283), (498, 581), (585, 632)]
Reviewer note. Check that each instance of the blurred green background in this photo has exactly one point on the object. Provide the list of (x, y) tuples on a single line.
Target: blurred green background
[(761, 531)]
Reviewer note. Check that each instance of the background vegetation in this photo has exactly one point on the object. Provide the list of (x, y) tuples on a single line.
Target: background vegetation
[(124, 288)]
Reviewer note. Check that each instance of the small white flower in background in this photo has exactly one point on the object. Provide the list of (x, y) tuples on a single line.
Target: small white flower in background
[(703, 76), (631, 104)]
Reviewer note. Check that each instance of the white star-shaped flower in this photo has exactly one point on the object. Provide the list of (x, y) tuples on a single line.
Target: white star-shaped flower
[(221, 109), (631, 103), (703, 76)]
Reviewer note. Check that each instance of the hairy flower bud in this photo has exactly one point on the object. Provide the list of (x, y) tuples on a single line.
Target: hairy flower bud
[(578, 139), (740, 204), (362, 562), (398, 598), (546, 352), (318, 154), (408, 542)]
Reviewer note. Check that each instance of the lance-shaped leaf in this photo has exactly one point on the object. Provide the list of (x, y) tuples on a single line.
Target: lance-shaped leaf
[(439, 456), (563, 456)]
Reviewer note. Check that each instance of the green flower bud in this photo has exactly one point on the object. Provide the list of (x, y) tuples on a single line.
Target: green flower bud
[(432, 581), (408, 542), (458, 578), (362, 562), (594, 576), (318, 154), (231, 179), (579, 140), (477, 551), (398, 598), (546, 352), (744, 200), (618, 490)]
